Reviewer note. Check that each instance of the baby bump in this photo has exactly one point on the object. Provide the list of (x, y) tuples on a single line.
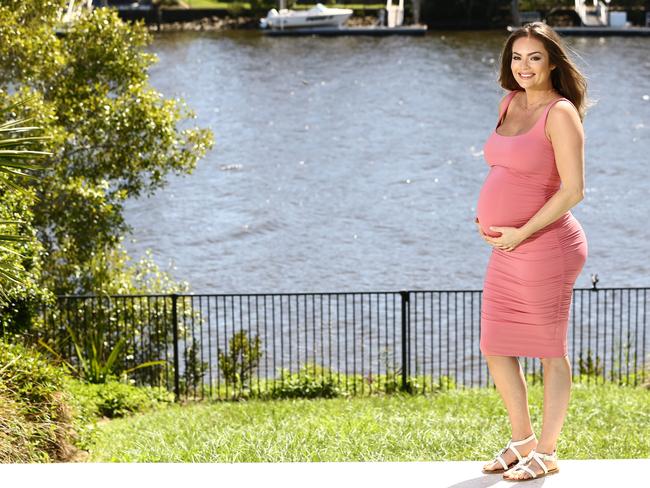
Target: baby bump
[(507, 200)]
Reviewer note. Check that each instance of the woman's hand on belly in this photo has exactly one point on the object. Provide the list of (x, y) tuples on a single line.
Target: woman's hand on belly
[(509, 239), (480, 230)]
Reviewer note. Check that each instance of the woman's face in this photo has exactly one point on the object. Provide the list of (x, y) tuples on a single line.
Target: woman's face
[(530, 64)]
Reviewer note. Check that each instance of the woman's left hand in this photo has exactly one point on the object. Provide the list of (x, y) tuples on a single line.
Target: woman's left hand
[(509, 239)]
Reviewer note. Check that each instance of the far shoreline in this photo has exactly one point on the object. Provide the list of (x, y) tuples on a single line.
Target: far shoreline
[(221, 23), (217, 19)]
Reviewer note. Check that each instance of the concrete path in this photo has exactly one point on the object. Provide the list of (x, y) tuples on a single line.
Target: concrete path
[(617, 473)]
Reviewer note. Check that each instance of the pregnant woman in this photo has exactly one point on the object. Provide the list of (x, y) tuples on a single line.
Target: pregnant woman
[(536, 160)]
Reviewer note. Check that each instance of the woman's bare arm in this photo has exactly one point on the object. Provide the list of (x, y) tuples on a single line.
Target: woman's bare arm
[(567, 136)]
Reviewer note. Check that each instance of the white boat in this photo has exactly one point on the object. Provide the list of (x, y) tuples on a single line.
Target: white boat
[(318, 16)]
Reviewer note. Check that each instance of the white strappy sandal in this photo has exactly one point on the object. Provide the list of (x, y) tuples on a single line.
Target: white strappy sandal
[(539, 457), (511, 445)]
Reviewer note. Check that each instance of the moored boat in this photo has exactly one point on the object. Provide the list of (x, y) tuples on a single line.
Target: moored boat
[(317, 16)]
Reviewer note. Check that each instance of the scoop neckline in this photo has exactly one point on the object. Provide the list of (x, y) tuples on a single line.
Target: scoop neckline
[(533, 126)]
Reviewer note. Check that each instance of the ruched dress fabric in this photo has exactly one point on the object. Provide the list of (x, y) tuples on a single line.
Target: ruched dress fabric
[(527, 291)]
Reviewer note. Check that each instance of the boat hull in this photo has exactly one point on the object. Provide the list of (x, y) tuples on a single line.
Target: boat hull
[(316, 21)]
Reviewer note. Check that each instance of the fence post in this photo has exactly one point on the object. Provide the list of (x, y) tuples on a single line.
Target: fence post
[(405, 342), (177, 389)]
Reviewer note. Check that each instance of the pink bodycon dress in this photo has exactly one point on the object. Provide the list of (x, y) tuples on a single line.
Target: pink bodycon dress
[(526, 292)]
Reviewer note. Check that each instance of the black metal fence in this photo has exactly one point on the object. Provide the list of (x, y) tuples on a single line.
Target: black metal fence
[(229, 345)]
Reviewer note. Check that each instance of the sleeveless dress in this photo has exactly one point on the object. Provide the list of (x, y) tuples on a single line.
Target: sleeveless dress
[(527, 291)]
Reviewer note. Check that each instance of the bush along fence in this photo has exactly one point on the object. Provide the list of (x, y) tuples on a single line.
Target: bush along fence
[(229, 346)]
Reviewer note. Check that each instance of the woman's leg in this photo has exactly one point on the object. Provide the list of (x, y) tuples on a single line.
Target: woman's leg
[(557, 391), (510, 382)]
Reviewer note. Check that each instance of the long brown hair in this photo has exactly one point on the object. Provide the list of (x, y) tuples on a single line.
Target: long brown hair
[(566, 77)]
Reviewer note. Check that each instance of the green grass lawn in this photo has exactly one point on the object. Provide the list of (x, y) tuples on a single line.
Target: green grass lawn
[(604, 422)]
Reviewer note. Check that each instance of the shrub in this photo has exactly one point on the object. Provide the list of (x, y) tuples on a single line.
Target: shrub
[(242, 357), (309, 382), (91, 402), (35, 414), (116, 398)]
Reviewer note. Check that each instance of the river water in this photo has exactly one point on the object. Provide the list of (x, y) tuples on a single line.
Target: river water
[(354, 164)]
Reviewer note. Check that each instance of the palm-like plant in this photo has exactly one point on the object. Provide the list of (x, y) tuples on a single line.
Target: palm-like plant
[(16, 156), (96, 361)]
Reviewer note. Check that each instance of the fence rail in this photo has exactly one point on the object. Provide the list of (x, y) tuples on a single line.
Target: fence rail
[(227, 345)]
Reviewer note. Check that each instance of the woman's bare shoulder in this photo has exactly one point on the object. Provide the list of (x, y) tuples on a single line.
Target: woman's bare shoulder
[(563, 119), (563, 113), (566, 107)]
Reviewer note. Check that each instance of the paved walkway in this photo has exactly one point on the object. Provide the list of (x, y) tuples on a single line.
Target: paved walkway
[(619, 473)]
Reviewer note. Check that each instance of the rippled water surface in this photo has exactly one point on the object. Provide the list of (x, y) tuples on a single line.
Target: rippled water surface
[(354, 164)]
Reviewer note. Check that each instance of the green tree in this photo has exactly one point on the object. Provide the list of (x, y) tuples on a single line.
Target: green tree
[(115, 137)]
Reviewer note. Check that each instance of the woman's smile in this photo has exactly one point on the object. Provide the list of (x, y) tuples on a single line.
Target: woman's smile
[(530, 63)]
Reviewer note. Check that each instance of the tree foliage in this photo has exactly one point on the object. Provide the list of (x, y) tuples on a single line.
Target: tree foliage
[(114, 137)]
